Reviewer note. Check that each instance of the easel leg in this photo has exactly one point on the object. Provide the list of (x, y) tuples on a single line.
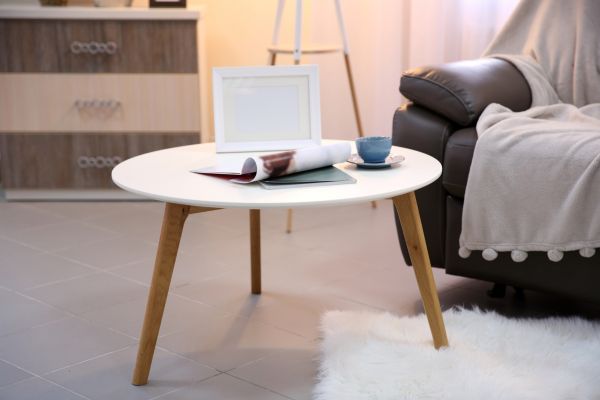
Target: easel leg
[(408, 212), (170, 236), (289, 219), (353, 94), (298, 33), (340, 18), (276, 29), (355, 104), (255, 274), (297, 56)]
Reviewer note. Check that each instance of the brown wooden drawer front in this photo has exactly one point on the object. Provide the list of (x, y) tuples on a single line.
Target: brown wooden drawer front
[(81, 161), (98, 46)]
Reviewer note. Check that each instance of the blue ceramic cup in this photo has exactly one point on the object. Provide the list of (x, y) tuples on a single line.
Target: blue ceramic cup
[(374, 149)]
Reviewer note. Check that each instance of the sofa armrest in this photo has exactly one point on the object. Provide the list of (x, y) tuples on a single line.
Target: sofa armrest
[(460, 91)]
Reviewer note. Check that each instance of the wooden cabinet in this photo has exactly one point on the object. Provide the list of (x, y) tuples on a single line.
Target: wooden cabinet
[(82, 89)]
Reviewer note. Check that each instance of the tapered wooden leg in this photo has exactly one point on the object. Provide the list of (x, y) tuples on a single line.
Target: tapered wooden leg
[(255, 275), (408, 212), (170, 235)]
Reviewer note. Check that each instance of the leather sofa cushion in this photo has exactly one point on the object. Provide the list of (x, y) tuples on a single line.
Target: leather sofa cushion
[(457, 161), (460, 91), (425, 131)]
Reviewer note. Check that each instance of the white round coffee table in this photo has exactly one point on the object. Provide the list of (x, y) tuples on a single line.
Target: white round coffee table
[(165, 176)]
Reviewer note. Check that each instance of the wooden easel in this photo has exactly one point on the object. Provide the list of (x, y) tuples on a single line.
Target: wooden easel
[(297, 51)]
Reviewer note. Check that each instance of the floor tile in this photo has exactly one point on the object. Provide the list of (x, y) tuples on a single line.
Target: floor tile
[(59, 344), (223, 387), (192, 266), (16, 217), (290, 373), (310, 218), (336, 258), (307, 269), (34, 268), (391, 289), (109, 377), (367, 236), (89, 292), (133, 222), (284, 268), (60, 236), (234, 219), (18, 313), (299, 313), (232, 252), (207, 235), (226, 343), (128, 317), (229, 293), (36, 389), (11, 251), (148, 205), (10, 374), (111, 253), (77, 209)]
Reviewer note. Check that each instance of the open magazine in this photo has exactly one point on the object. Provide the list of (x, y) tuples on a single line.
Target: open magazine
[(269, 166)]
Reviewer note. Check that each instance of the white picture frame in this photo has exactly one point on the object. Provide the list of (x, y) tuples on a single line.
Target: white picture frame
[(266, 108)]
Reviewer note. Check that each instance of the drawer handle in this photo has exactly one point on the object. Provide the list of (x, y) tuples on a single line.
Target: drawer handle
[(93, 47), (75, 47), (104, 104), (98, 162), (111, 47)]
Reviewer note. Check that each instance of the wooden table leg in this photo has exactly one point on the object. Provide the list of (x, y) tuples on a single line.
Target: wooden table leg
[(408, 212), (255, 251), (170, 235)]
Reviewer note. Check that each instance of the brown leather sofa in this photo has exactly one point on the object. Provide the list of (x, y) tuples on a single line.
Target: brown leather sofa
[(445, 103)]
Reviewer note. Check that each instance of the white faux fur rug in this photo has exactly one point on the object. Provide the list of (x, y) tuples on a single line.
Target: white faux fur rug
[(381, 356)]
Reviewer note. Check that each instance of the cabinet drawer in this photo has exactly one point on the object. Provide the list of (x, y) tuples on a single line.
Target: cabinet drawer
[(98, 46), (73, 161), (99, 103)]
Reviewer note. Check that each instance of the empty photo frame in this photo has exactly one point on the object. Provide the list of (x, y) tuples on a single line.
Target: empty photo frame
[(266, 108)]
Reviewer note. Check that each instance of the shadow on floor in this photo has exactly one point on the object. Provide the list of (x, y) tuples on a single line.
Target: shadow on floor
[(524, 304)]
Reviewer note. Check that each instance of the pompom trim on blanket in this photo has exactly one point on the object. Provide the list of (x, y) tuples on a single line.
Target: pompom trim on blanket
[(555, 255)]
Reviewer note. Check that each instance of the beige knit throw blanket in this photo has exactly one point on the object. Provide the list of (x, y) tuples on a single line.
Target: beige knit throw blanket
[(534, 183)]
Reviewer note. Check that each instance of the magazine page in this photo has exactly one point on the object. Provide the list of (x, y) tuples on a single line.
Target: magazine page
[(272, 165)]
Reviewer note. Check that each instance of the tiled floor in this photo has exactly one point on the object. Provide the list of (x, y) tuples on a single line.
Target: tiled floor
[(74, 277)]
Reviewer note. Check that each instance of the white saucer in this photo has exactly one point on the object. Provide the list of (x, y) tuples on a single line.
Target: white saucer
[(392, 159)]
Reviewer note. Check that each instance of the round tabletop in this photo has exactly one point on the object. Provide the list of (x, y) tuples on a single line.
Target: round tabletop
[(165, 175)]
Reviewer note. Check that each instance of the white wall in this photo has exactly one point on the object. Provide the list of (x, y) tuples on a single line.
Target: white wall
[(238, 32), (385, 37)]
